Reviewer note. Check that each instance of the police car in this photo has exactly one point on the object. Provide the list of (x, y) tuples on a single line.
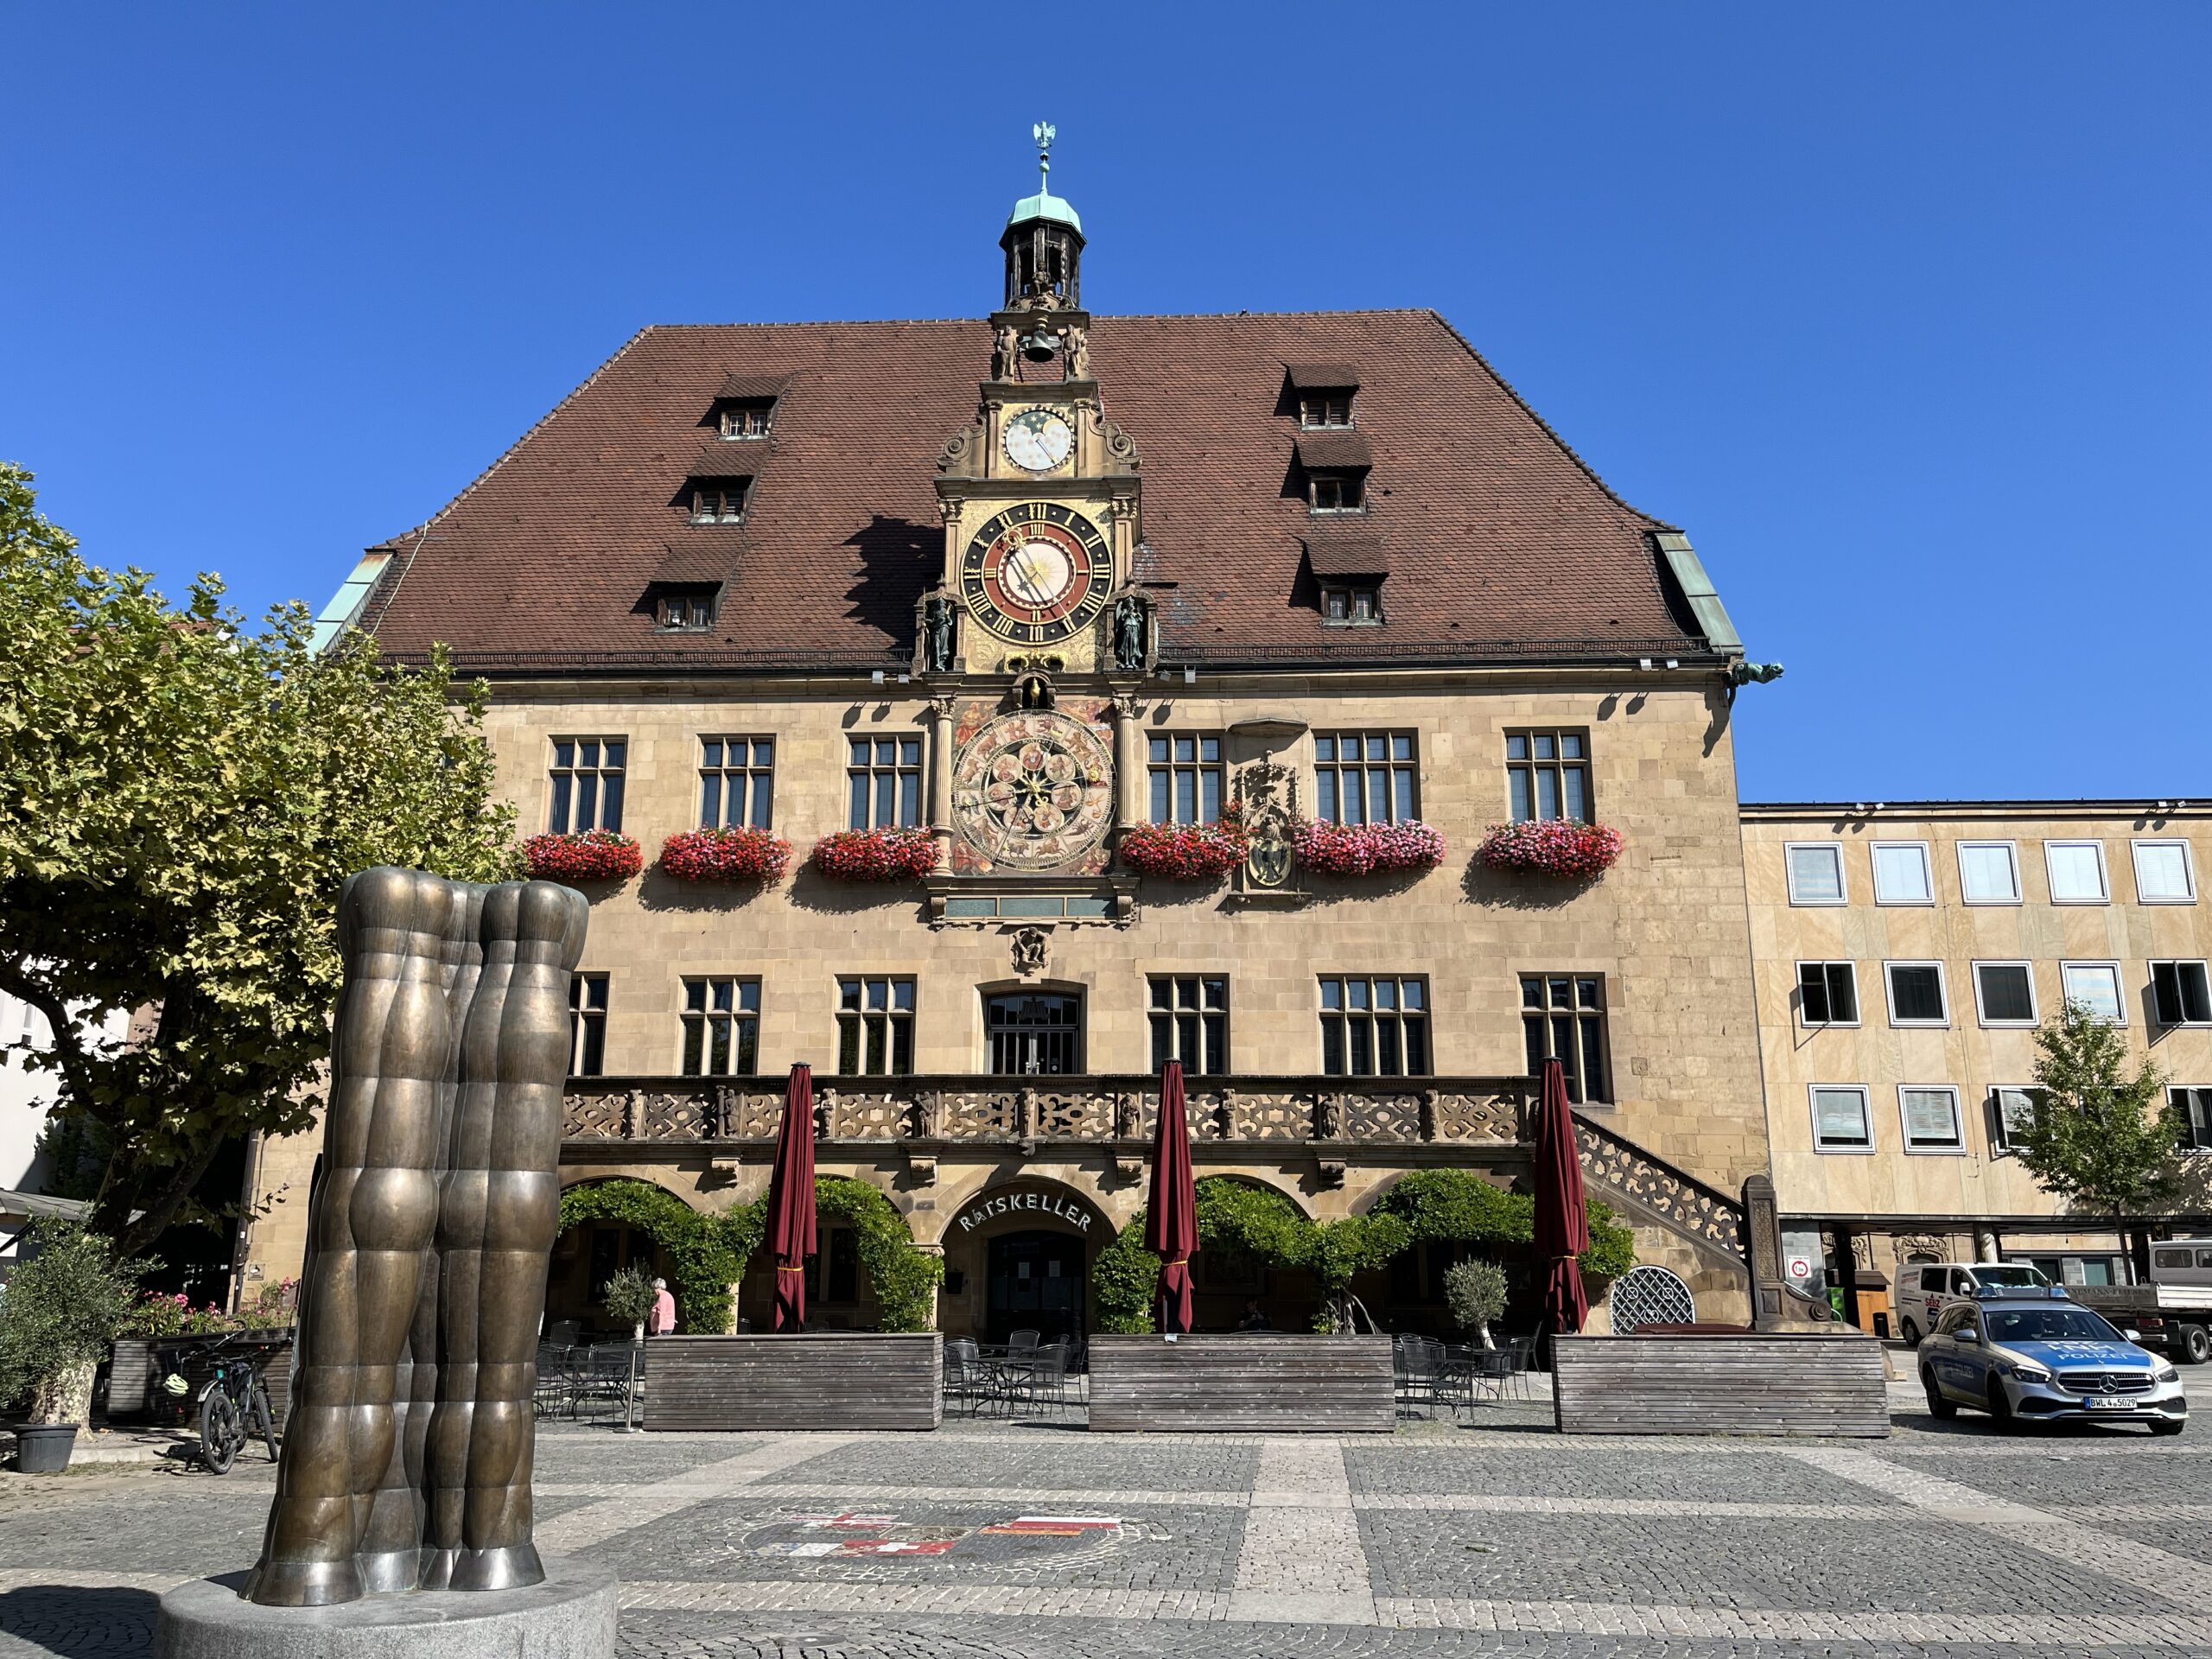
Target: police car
[(2031, 1356)]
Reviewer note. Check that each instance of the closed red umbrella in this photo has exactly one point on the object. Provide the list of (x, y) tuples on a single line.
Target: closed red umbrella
[(791, 1199), (1171, 1217), (1562, 1230)]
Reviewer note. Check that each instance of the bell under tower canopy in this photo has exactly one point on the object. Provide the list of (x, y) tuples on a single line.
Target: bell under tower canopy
[(1043, 241)]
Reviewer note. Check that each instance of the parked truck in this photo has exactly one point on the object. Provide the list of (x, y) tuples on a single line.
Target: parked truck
[(2173, 1312)]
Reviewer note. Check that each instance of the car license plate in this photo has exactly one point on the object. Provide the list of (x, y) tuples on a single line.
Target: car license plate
[(2109, 1402)]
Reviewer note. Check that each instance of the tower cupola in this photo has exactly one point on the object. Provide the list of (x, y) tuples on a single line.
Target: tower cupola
[(1043, 242)]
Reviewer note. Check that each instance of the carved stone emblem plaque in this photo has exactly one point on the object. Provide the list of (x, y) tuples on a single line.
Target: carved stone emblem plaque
[(1032, 790)]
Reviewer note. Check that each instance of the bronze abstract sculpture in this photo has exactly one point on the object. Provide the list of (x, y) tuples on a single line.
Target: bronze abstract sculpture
[(406, 1461)]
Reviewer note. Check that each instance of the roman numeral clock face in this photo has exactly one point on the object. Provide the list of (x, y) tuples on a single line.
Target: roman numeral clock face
[(1037, 573)]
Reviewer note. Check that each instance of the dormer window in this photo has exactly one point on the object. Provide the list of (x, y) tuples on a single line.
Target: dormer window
[(1333, 493), (747, 417), (1324, 411), (719, 501), (687, 613), (1352, 607)]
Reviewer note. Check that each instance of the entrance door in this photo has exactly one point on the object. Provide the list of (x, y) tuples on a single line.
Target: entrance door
[(1035, 1033), (1036, 1284)]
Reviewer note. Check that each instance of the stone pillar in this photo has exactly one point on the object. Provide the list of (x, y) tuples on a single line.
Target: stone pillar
[(1763, 1255), (940, 801), (1129, 804)]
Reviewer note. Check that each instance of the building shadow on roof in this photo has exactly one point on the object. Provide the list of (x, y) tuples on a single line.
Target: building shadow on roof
[(898, 561), (659, 891), (811, 890), (1481, 885)]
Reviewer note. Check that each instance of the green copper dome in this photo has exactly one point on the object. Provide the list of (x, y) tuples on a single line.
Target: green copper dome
[(1045, 206)]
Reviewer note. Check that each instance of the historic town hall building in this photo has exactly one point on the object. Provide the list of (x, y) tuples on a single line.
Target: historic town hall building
[(1023, 586)]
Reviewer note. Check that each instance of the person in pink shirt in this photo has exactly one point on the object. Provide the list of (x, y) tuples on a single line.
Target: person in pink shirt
[(663, 1318)]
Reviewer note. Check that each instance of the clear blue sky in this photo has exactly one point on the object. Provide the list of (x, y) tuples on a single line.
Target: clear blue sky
[(1900, 311)]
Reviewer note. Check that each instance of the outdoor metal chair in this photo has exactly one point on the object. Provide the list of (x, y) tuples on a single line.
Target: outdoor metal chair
[(1417, 1361), (968, 1381), (1023, 1342)]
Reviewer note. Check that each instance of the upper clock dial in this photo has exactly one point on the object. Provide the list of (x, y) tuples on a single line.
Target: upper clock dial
[(1037, 440), (1036, 573)]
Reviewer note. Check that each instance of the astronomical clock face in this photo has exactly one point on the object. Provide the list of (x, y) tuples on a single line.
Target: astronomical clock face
[(1037, 440), (1037, 573), (1033, 789)]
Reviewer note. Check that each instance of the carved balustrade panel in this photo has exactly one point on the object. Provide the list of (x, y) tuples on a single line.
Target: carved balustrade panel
[(758, 1115), (981, 1114), (593, 1117), (675, 1117), (1689, 1207), (1072, 1114), (868, 1117), (1496, 1115), (1287, 1116), (1381, 1118)]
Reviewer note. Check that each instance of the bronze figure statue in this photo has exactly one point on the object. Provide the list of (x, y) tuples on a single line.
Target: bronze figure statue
[(406, 1461)]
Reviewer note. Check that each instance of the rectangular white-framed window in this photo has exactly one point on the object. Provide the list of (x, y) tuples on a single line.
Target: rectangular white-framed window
[(1840, 1120), (722, 1025), (1989, 872), (2194, 1107), (1930, 1113), (1901, 874), (2096, 985), (2076, 869), (1915, 993), (2005, 993), (2164, 873), (2011, 1111), (1828, 993), (1815, 869), (2181, 994)]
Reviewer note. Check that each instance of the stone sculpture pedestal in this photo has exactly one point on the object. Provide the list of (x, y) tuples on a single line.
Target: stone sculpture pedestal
[(570, 1616)]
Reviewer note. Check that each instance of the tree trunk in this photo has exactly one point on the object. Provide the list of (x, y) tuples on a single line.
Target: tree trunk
[(135, 1234), (66, 1396)]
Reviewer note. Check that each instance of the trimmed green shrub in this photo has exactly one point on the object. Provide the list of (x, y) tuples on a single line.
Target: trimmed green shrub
[(628, 1296), (1474, 1292), (1456, 1207), (905, 1278), (706, 1254), (1121, 1281)]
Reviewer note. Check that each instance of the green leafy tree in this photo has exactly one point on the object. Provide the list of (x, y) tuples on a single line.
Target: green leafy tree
[(628, 1295), (1474, 1292), (2102, 1136), (180, 801)]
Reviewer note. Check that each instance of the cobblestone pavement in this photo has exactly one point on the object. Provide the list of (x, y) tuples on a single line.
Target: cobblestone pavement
[(1044, 1542)]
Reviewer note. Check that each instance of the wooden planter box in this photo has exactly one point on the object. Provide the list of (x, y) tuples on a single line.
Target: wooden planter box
[(830, 1379), (1719, 1385), (1276, 1384)]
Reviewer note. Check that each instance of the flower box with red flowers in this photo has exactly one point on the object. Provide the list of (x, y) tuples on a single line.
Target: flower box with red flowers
[(593, 855), (738, 852), (1560, 847), (876, 855), (1183, 852), (1360, 848)]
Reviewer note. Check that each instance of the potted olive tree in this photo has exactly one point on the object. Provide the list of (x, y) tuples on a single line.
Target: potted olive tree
[(1474, 1292), (62, 1306), (628, 1296)]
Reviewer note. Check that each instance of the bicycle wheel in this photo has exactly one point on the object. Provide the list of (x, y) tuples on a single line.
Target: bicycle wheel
[(265, 1426), (220, 1435)]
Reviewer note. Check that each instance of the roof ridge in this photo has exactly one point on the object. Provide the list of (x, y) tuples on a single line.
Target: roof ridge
[(381, 597), (535, 427), (1096, 316), (1545, 426)]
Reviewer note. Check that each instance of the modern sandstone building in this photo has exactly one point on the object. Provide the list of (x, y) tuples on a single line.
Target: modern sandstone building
[(1024, 601)]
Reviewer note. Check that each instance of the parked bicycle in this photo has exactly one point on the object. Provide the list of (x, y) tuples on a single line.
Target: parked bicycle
[(233, 1409)]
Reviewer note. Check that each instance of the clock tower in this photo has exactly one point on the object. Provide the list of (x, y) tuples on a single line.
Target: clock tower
[(1039, 494)]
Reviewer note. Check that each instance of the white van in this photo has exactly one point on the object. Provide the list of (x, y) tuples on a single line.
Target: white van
[(1924, 1289)]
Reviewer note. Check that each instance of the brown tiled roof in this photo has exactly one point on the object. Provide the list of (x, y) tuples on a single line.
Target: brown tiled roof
[(752, 387), (725, 458), (1505, 545), (1322, 377), (1347, 550), (1346, 450)]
